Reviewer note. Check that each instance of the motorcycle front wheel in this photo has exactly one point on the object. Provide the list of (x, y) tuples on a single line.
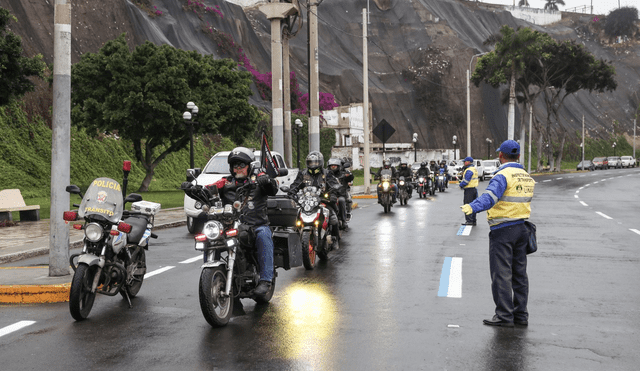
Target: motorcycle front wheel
[(140, 261), (308, 250), (80, 296), (216, 308)]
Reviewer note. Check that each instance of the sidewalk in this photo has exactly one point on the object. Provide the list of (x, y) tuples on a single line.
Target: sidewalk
[(30, 239)]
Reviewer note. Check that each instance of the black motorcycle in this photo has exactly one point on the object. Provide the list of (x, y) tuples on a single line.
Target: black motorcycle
[(113, 258), (403, 192)]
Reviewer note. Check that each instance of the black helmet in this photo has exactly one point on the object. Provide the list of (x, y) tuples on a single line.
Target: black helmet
[(403, 164), (386, 164), (315, 161), (334, 162), (239, 155), (423, 164)]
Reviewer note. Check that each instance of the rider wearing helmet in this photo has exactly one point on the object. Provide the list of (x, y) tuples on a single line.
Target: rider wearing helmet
[(386, 165), (443, 165), (406, 172), (423, 170), (254, 212), (315, 175), (344, 177)]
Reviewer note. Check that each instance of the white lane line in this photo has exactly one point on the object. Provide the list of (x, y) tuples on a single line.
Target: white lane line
[(576, 196), (635, 231), (580, 188), (157, 271), (583, 203), (581, 176), (586, 185), (15, 327), (548, 180), (603, 215), (559, 178), (195, 258)]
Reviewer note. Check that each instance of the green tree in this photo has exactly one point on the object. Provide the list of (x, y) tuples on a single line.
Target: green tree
[(553, 4), (141, 96), (15, 68), (621, 22)]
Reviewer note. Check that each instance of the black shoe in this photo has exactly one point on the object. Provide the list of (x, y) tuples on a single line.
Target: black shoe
[(521, 323), (262, 289), (495, 321)]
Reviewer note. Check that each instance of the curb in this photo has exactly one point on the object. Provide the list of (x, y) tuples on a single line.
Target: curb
[(34, 294)]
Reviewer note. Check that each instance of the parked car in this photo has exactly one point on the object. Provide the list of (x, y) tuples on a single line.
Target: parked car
[(614, 161), (490, 167), (586, 165), (218, 168), (600, 163), (628, 161)]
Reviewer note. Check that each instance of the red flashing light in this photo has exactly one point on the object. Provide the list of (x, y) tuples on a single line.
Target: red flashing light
[(126, 166), (70, 216), (77, 226), (124, 227), (232, 233), (201, 237), (114, 232)]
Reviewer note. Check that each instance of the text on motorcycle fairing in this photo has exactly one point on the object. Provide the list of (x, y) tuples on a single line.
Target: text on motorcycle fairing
[(105, 184), (98, 210)]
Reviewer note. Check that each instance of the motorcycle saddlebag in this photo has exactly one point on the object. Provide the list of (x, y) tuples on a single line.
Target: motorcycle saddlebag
[(282, 211), (287, 253)]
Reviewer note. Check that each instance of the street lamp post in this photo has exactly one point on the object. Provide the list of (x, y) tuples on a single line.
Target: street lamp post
[(469, 103), (614, 148), (415, 147), (297, 130), (489, 141), (454, 147), (189, 118)]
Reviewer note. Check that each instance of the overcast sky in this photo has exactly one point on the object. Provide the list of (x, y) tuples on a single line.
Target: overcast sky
[(599, 6)]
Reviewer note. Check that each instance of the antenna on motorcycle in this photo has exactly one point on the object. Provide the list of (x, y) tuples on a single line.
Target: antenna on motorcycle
[(126, 168)]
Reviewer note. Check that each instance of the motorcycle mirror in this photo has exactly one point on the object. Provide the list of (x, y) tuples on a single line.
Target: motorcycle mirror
[(192, 174), (283, 172), (346, 165), (284, 188), (133, 197), (372, 171), (73, 189), (255, 167)]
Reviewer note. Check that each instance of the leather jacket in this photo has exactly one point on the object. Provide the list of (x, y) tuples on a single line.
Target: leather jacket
[(254, 210)]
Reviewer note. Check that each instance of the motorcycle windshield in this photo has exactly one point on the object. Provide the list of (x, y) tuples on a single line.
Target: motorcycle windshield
[(104, 199), (385, 174)]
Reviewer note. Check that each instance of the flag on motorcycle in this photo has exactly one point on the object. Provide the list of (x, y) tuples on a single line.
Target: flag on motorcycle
[(266, 159)]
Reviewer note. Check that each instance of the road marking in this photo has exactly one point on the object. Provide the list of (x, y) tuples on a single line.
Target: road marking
[(635, 231), (548, 180), (583, 203), (559, 178), (603, 215), (451, 278), (464, 230), (580, 188), (581, 176), (15, 327), (575, 196), (195, 258), (158, 271)]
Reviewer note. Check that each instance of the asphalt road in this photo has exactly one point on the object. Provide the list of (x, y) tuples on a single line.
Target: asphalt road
[(379, 302)]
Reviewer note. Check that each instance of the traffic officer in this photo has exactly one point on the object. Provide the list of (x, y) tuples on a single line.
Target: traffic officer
[(469, 184), (508, 201)]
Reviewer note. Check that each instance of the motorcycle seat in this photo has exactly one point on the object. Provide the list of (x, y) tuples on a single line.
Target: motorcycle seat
[(138, 226)]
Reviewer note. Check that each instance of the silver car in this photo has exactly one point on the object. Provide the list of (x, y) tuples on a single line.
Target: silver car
[(628, 161), (615, 162), (490, 167)]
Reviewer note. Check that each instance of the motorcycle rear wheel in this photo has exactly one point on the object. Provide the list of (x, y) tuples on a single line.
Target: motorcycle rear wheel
[(80, 297), (138, 274), (216, 308), (308, 250)]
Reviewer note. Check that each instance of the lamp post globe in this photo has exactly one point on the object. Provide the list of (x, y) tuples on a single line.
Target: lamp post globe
[(189, 117), (455, 138), (415, 147), (298, 123)]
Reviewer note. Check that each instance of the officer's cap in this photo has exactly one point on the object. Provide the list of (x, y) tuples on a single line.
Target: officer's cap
[(470, 159), (509, 147)]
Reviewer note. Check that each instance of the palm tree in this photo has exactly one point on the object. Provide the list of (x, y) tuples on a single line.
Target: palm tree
[(523, 3), (553, 4)]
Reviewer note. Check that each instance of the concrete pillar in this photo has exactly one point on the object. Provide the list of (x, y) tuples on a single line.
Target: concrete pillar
[(288, 153), (314, 92)]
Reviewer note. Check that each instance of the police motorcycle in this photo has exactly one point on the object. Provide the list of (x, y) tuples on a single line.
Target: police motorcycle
[(313, 224), (386, 189), (441, 180), (113, 259), (431, 184), (403, 193), (230, 269)]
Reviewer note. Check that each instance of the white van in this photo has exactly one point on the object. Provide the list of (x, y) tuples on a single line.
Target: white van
[(456, 171), (218, 168)]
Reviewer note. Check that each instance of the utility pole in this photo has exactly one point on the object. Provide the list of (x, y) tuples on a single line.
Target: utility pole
[(511, 118), (60, 140), (530, 134), (582, 142), (365, 100), (314, 94), (288, 153), (275, 12)]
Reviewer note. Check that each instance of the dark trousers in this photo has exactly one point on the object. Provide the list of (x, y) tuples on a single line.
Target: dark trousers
[(470, 194), (508, 266)]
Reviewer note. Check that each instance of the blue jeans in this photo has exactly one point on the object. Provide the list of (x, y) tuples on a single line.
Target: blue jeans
[(264, 244)]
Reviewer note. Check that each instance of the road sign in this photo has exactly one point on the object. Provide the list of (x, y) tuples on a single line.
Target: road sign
[(384, 131)]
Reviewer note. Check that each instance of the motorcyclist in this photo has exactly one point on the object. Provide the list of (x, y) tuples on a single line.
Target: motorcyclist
[(344, 177), (254, 210), (406, 172), (433, 166), (386, 164), (423, 170), (443, 165), (315, 175)]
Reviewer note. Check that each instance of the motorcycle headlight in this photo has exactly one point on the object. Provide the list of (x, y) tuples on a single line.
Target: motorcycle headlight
[(402, 182), (93, 232), (212, 229), (198, 205), (385, 185)]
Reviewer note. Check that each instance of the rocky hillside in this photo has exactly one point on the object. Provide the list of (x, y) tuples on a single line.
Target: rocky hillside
[(419, 52)]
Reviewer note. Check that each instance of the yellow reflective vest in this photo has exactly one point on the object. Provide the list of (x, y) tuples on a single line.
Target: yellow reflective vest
[(515, 203), (473, 183)]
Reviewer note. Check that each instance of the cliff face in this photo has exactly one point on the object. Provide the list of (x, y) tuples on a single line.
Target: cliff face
[(419, 52)]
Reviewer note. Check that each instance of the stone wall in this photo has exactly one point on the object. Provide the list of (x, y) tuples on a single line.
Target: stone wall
[(535, 16)]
